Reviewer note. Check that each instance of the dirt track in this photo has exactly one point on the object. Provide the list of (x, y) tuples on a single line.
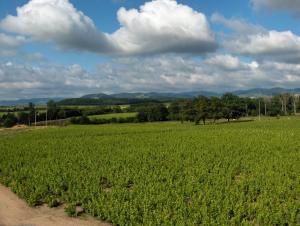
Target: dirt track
[(15, 212)]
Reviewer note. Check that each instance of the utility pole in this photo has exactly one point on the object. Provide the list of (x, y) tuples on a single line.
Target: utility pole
[(35, 118), (285, 103), (259, 109), (295, 101), (47, 116), (265, 109)]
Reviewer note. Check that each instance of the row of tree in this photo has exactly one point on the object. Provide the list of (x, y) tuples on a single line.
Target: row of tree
[(31, 114), (228, 106), (202, 108)]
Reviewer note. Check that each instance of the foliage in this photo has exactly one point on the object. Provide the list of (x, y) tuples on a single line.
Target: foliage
[(10, 121), (161, 173), (105, 101), (153, 113), (202, 109), (102, 119)]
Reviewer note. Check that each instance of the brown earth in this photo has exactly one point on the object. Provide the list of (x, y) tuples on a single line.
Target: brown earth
[(21, 126), (15, 212)]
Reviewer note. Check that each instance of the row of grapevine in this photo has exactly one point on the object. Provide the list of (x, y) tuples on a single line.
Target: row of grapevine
[(161, 173)]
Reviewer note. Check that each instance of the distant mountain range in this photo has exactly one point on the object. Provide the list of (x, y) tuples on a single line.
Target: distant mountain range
[(24, 102), (151, 95), (157, 95), (260, 92)]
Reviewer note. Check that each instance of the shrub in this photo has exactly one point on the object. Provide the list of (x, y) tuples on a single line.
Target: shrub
[(71, 210), (10, 121)]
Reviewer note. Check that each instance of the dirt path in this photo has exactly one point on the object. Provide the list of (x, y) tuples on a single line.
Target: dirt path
[(15, 212)]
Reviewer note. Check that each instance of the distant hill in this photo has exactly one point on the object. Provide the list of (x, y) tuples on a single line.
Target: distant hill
[(138, 97), (151, 95), (264, 92), (156, 95), (96, 96), (24, 102)]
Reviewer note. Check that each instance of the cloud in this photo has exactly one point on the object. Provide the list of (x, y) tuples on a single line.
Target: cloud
[(163, 26), (237, 25), (9, 44), (49, 80), (255, 41), (275, 45), (217, 73), (224, 62), (8, 41), (292, 6), (57, 21), (159, 26), (164, 73), (35, 56)]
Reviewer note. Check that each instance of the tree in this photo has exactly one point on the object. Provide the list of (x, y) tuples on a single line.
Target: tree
[(52, 110), (215, 109), (175, 111), (201, 107), (10, 120), (188, 111), (23, 117), (295, 98), (152, 113), (61, 114), (267, 101), (31, 114), (116, 109), (142, 115), (284, 97), (232, 108), (275, 106)]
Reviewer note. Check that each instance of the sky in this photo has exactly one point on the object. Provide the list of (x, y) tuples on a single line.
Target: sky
[(68, 48)]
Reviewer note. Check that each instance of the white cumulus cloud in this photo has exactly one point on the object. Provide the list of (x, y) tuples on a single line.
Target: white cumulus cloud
[(159, 26), (163, 26), (255, 41), (57, 21), (279, 46), (163, 73)]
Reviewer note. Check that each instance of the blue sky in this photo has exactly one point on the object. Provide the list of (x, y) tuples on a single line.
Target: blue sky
[(71, 47)]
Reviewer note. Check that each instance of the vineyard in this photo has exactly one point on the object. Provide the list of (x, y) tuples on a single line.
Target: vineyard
[(161, 173)]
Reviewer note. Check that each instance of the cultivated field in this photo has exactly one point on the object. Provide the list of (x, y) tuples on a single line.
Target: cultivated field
[(161, 173), (113, 115)]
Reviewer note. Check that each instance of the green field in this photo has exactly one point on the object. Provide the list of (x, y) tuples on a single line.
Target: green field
[(161, 173), (114, 115)]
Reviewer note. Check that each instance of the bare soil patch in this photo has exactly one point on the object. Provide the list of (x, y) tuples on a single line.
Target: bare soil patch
[(15, 212), (20, 126)]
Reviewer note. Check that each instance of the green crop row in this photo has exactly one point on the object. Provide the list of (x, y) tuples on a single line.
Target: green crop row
[(161, 173)]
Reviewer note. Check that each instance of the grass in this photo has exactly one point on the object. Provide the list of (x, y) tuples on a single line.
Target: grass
[(114, 115), (162, 173)]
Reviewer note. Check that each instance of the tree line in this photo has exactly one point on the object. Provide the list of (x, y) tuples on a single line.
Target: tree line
[(199, 109), (31, 114), (228, 107)]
